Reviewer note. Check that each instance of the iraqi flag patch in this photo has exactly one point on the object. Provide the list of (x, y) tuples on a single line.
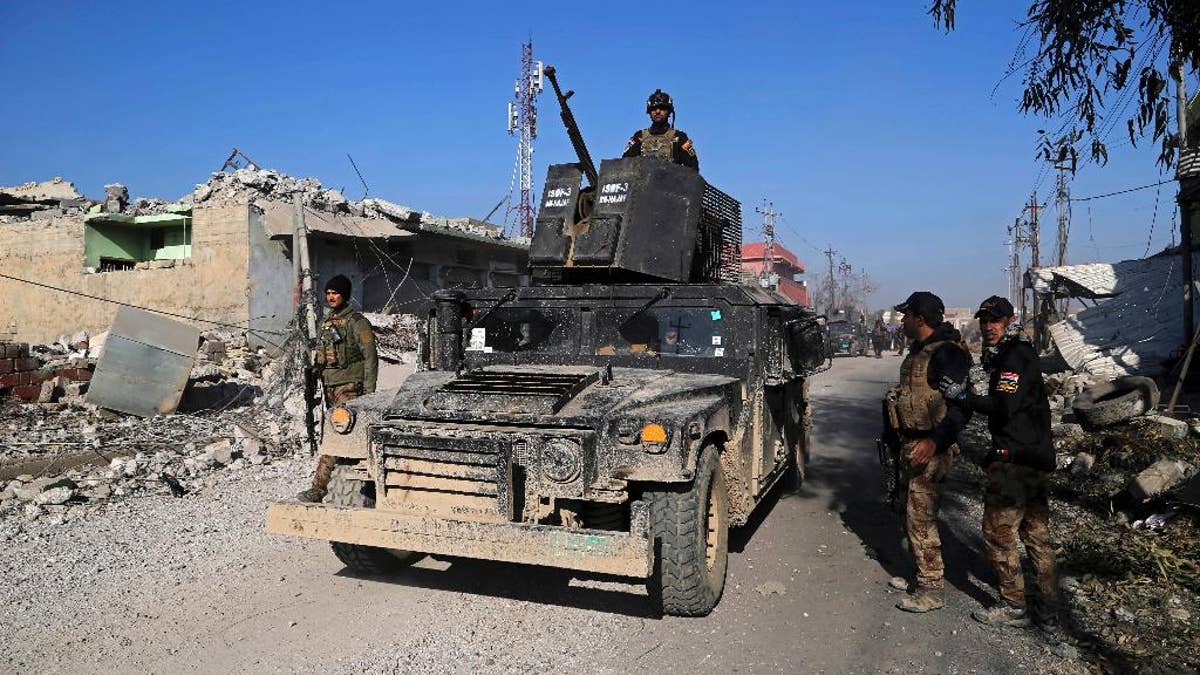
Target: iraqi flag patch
[(1008, 382)]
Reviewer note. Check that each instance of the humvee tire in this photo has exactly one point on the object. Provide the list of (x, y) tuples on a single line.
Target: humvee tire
[(691, 530), (363, 559)]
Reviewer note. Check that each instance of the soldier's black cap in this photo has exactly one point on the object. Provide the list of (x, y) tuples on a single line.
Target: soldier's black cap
[(339, 283), (995, 307), (925, 305)]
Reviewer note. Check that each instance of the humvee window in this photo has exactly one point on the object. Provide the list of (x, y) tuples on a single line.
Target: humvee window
[(674, 331), (521, 329)]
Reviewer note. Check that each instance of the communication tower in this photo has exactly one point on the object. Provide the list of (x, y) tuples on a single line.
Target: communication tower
[(767, 277), (522, 123)]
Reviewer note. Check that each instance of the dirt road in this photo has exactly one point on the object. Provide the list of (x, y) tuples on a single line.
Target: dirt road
[(193, 584)]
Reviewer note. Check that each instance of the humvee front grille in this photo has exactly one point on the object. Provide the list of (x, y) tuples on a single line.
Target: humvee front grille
[(511, 391), (450, 472)]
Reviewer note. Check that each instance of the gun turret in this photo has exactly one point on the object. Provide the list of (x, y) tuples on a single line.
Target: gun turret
[(568, 118)]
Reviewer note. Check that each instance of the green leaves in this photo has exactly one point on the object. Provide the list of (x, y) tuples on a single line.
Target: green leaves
[(1079, 73)]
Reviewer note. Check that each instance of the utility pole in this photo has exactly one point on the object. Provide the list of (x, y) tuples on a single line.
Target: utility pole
[(844, 267), (829, 253), (1035, 261), (769, 215), (1185, 204), (306, 317), (1064, 223)]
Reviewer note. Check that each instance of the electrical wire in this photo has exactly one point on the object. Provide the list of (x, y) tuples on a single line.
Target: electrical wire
[(1121, 192), (130, 304)]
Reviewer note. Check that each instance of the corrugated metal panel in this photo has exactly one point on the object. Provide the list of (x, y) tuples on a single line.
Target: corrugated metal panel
[(1134, 331), (145, 365)]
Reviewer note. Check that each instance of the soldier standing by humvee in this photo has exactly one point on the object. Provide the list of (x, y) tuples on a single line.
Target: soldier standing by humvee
[(348, 363), (662, 139), (928, 425), (1016, 498)]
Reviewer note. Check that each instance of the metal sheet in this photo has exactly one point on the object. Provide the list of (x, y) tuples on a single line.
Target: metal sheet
[(145, 365)]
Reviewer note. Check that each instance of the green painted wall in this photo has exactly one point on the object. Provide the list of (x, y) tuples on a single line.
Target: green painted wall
[(113, 241), (132, 242)]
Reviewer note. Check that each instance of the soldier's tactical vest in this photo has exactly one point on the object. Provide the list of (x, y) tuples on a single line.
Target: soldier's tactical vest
[(339, 346), (658, 146), (919, 407)]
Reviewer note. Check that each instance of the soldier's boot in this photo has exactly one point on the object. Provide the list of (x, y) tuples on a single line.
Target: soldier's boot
[(1003, 614), (921, 600), (320, 483)]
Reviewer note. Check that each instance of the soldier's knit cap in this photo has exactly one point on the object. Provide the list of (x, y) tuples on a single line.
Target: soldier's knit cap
[(925, 305), (339, 283), (995, 307)]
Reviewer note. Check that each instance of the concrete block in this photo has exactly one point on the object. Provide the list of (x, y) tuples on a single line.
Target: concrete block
[(27, 392), (26, 363), (1158, 478), (6, 366), (1168, 427)]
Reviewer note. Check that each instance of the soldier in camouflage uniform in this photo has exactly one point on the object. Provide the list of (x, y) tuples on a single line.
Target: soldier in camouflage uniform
[(662, 139), (1016, 498), (348, 363), (928, 425)]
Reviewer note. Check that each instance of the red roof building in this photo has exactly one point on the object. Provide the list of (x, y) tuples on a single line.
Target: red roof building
[(781, 272)]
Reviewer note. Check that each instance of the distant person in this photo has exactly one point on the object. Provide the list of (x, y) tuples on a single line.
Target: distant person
[(1016, 502), (662, 139), (928, 425), (878, 336), (348, 363)]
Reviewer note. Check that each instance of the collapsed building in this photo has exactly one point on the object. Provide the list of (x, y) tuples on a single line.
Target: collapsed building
[(223, 254)]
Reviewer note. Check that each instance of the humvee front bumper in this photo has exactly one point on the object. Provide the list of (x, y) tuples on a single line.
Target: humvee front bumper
[(629, 554)]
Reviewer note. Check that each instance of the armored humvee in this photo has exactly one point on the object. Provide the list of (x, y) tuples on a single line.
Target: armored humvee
[(616, 416)]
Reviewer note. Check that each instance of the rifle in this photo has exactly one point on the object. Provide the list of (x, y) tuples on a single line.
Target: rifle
[(568, 118), (890, 447)]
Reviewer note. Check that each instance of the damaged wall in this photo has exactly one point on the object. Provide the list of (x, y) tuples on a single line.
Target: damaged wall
[(209, 285)]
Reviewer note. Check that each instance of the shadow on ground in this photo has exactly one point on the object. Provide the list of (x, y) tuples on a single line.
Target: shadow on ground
[(846, 466)]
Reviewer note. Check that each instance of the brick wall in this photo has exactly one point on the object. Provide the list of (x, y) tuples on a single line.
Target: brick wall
[(22, 375)]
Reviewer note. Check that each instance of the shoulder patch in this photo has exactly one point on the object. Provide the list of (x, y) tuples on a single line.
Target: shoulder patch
[(687, 147), (1008, 382)]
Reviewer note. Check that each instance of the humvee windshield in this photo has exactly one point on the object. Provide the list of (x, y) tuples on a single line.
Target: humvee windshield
[(522, 329), (678, 331)]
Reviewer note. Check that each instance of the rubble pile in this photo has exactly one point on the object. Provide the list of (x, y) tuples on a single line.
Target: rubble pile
[(38, 201), (1129, 532), (46, 374), (396, 335), (62, 458), (249, 185)]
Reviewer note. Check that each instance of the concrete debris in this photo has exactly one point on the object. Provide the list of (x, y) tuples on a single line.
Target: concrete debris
[(251, 185), (1083, 464), (1159, 478), (395, 334), (1168, 427), (47, 199)]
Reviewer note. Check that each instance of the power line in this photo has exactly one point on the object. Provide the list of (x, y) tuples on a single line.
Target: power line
[(1121, 192), (130, 304)]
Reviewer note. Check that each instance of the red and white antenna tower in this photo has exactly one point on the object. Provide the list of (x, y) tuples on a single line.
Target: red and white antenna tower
[(767, 275), (522, 123)]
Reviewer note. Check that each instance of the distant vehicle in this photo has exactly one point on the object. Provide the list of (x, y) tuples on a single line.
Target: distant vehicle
[(848, 338)]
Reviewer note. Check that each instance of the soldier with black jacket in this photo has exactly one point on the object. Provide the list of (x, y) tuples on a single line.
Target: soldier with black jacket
[(1016, 498)]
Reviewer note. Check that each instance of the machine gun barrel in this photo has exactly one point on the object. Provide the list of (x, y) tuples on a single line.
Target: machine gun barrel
[(568, 118)]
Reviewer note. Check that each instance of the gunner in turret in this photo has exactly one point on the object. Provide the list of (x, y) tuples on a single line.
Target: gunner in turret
[(662, 139)]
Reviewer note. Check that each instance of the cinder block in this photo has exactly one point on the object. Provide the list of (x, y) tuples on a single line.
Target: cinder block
[(26, 363), (76, 374), (6, 366), (10, 379), (16, 350)]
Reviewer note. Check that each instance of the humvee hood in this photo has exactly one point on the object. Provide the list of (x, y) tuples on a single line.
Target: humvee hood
[(563, 393)]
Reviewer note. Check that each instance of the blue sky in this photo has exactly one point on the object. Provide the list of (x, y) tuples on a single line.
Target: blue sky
[(870, 130)]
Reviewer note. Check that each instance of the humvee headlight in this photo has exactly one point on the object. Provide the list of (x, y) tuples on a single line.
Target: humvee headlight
[(341, 419), (561, 460), (654, 433)]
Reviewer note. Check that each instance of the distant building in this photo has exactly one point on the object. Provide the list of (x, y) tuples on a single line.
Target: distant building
[(960, 317), (780, 274)]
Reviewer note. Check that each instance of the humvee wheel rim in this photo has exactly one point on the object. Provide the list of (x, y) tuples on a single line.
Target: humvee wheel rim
[(712, 522)]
